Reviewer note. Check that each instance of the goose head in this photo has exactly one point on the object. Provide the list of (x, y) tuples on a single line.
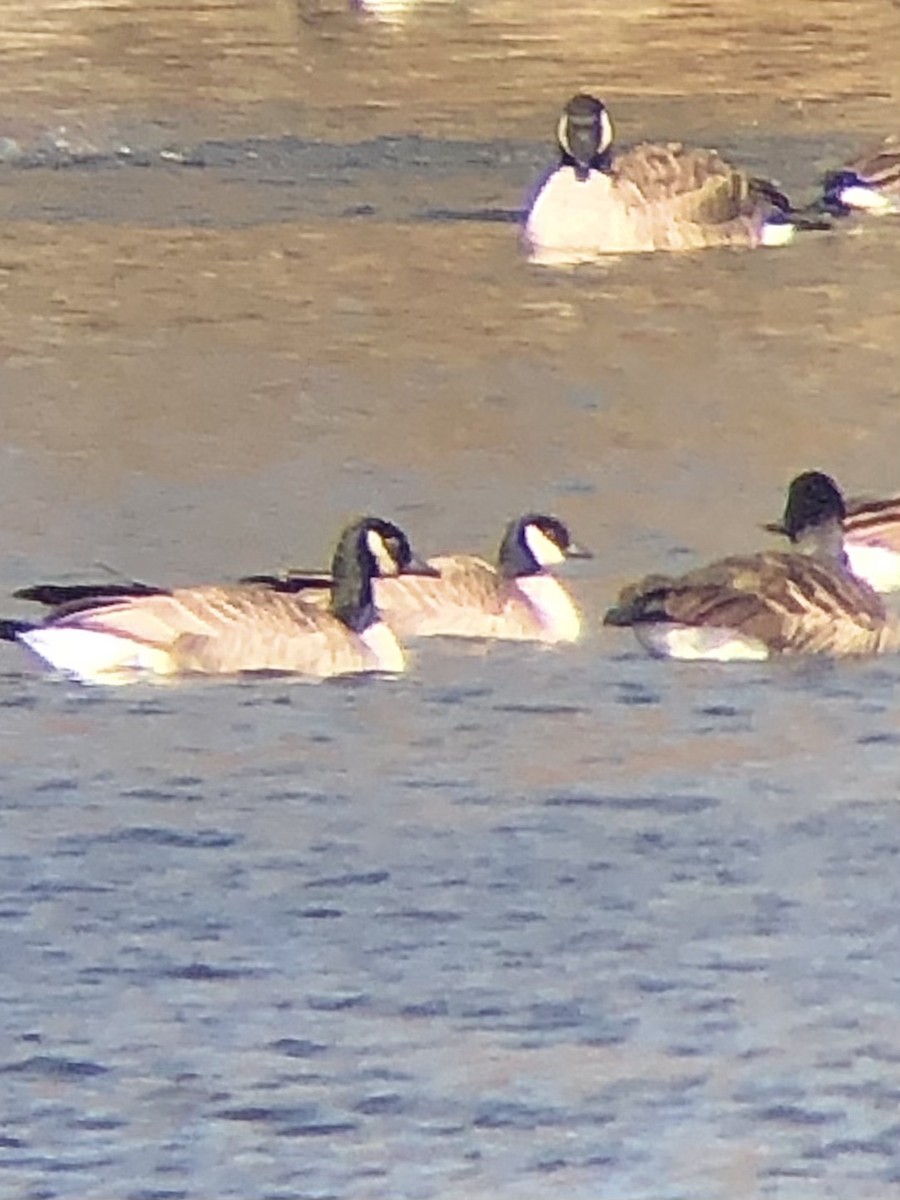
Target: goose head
[(813, 516), (369, 548), (585, 135), (534, 542)]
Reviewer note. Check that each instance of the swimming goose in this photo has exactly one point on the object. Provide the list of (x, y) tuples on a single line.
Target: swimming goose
[(871, 540), (761, 605), (218, 629), (518, 599), (650, 197), (870, 183)]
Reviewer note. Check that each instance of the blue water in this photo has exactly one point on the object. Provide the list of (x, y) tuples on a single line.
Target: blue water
[(423, 938)]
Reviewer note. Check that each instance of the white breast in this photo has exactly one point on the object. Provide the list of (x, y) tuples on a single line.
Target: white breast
[(573, 220), (387, 653), (553, 605)]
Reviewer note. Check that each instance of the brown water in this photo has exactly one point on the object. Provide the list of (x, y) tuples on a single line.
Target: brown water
[(523, 923)]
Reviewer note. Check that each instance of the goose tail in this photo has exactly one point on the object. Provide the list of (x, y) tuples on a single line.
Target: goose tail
[(12, 630), (640, 603)]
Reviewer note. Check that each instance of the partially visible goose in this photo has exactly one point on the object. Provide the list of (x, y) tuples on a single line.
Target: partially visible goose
[(600, 200), (518, 599), (225, 629), (871, 539), (762, 605), (870, 183)]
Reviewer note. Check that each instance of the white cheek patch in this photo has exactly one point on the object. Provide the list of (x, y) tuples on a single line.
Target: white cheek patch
[(384, 560), (606, 131), (545, 552), (562, 133)]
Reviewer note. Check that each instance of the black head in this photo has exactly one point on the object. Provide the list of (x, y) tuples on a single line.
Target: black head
[(813, 499), (585, 134), (534, 542), (369, 548)]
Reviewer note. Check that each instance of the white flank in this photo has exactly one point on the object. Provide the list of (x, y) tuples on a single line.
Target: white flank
[(867, 199), (95, 657), (699, 642), (553, 605), (878, 566), (387, 653), (777, 233)]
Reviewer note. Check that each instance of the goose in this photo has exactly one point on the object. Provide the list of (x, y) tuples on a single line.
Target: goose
[(759, 606), (516, 599), (871, 540), (224, 629), (600, 200), (869, 183)]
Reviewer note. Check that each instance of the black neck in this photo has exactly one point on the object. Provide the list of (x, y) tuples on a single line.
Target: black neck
[(351, 587), (598, 162), (514, 558)]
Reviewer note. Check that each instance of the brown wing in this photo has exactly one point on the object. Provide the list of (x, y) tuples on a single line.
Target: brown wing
[(469, 599), (703, 186), (790, 602)]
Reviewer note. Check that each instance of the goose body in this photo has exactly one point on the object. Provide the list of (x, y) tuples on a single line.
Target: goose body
[(758, 606), (226, 629), (870, 183), (600, 200), (515, 599)]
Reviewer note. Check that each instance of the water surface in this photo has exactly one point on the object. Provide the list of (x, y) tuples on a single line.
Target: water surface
[(525, 922)]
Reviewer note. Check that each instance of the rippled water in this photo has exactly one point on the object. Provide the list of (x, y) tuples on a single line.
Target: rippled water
[(525, 922)]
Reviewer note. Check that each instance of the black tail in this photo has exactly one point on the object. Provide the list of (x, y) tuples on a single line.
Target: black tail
[(814, 216), (55, 594), (291, 582), (811, 216), (10, 630), (641, 602)]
